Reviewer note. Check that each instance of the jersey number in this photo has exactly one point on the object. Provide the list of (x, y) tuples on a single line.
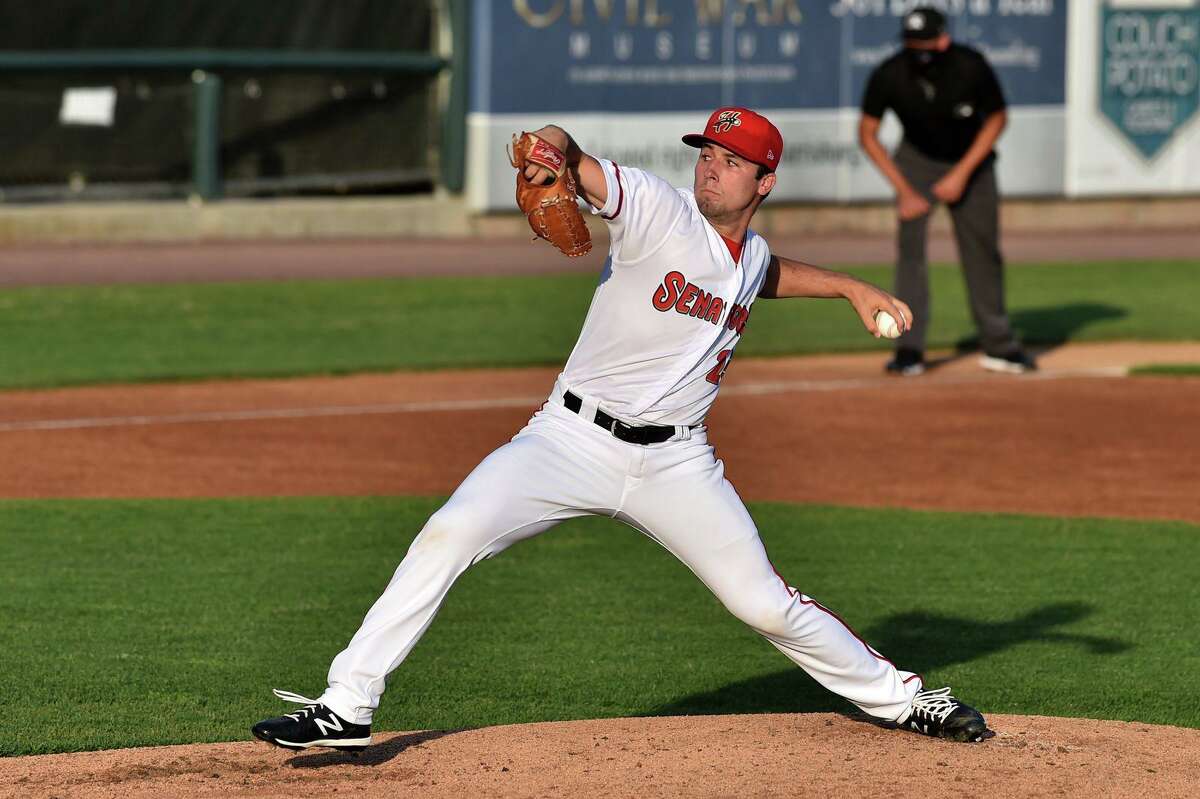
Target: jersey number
[(718, 371)]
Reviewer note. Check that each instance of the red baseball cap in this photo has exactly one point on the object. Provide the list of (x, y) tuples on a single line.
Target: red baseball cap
[(740, 130)]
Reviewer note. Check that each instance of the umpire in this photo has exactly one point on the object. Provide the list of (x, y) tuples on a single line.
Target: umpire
[(953, 111)]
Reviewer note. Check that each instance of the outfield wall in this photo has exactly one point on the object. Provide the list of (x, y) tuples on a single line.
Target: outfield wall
[(1101, 92), (656, 69), (426, 217)]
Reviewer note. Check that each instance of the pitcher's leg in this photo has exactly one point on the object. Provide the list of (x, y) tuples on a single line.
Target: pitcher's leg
[(704, 523), (520, 490)]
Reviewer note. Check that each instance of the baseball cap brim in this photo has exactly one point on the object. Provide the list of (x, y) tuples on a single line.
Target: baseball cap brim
[(697, 140)]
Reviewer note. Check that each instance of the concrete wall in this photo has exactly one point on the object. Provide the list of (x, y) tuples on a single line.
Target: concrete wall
[(443, 217)]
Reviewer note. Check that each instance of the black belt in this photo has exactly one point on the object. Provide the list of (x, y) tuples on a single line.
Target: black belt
[(648, 434)]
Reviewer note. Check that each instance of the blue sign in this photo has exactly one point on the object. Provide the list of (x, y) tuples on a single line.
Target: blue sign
[(1149, 65), (688, 55)]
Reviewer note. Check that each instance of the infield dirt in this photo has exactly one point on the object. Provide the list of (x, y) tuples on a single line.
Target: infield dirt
[(1075, 439), (818, 755)]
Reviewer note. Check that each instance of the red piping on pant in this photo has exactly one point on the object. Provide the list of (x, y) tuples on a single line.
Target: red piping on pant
[(794, 592)]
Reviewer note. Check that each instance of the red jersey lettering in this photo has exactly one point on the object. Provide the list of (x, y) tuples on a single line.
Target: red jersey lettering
[(676, 291), (717, 372), (714, 311), (668, 290), (685, 299), (744, 321)]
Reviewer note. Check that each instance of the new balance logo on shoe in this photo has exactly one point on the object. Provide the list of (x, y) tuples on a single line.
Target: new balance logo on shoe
[(312, 725), (334, 724), (939, 715)]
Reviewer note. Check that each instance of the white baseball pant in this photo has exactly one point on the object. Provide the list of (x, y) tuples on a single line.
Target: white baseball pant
[(562, 465)]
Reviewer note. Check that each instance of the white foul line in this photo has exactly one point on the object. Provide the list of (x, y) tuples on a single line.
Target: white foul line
[(789, 386), (749, 389), (273, 413)]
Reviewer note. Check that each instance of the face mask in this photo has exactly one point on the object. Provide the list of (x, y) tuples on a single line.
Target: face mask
[(923, 61)]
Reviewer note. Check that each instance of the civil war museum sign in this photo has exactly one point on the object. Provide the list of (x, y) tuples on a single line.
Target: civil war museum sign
[(629, 77)]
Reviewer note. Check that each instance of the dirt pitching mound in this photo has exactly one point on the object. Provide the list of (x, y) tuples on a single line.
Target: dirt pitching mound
[(791, 755)]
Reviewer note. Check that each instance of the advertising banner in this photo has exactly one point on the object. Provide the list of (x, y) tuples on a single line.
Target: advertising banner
[(1149, 62), (631, 76), (1135, 88)]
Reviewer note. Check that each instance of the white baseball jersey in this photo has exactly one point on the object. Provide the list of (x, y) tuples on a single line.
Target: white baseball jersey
[(670, 308)]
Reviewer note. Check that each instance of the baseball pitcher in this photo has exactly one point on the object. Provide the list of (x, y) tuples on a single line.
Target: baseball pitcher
[(622, 433)]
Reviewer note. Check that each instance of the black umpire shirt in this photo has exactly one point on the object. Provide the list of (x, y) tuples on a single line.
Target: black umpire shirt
[(942, 105)]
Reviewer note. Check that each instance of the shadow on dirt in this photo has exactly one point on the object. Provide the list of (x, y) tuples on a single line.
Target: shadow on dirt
[(917, 641), (374, 755)]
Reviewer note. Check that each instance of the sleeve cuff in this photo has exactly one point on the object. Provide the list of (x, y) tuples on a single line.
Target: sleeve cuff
[(616, 191)]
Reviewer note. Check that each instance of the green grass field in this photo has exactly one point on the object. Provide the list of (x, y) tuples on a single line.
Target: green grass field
[(1168, 370), (146, 622), (166, 621), (73, 335)]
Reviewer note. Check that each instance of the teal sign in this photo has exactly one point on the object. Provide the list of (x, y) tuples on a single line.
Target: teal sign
[(1149, 72)]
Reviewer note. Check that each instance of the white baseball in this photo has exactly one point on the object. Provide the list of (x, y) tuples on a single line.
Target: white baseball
[(887, 325)]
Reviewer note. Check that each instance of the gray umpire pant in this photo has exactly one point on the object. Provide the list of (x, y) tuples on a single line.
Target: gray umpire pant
[(977, 232)]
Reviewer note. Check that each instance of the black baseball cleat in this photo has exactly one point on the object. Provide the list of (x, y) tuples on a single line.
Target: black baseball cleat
[(906, 363), (312, 725), (939, 715), (1013, 362)]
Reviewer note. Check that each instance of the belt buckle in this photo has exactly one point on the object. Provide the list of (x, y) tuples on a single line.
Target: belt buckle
[(624, 432)]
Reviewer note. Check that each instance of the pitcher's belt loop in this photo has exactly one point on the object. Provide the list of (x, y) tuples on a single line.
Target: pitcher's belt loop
[(648, 434)]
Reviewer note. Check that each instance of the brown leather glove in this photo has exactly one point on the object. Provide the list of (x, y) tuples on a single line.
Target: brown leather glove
[(550, 208)]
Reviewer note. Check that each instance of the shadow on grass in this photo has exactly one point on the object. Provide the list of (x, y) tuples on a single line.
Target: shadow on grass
[(1050, 327), (373, 755), (917, 641), (925, 642)]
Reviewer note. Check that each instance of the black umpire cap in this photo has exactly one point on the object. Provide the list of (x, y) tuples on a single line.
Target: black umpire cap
[(923, 23)]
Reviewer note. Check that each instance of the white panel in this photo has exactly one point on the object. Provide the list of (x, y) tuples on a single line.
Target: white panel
[(88, 106), (821, 162), (1100, 159)]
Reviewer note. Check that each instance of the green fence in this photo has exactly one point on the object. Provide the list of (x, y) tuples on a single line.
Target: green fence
[(208, 69)]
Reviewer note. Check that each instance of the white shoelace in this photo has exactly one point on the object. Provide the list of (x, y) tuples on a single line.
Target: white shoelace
[(287, 696), (935, 705)]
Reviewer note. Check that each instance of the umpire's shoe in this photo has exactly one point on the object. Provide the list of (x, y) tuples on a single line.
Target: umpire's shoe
[(1013, 362), (312, 725), (906, 363), (939, 715)]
